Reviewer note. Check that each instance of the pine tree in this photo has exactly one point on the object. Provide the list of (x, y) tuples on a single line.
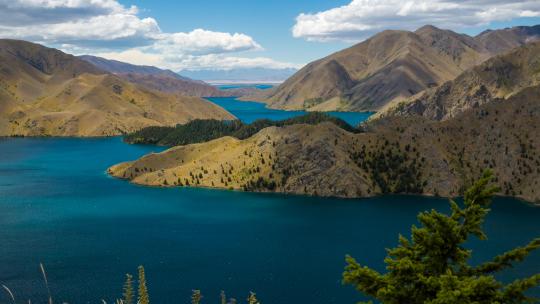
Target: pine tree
[(432, 266), (128, 290), (143, 291), (196, 297), (252, 299)]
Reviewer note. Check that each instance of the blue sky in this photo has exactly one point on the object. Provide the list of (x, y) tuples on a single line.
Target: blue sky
[(212, 34), (269, 22)]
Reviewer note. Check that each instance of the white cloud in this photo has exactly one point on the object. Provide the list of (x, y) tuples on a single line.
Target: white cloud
[(362, 18), (135, 56), (213, 61), (106, 31), (28, 12), (177, 62), (106, 27), (202, 42), (107, 24)]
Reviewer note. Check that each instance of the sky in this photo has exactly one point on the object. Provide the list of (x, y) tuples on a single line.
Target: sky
[(212, 34)]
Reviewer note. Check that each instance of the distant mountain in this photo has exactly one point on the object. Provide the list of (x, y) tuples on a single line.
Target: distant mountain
[(391, 66), (119, 67), (247, 75), (502, 40), (44, 91), (156, 79), (498, 78)]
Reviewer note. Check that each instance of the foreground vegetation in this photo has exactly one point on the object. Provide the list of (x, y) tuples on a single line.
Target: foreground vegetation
[(142, 297), (432, 267), (201, 130)]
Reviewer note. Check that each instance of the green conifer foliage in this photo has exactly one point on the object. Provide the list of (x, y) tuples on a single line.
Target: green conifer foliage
[(432, 266), (128, 290), (143, 291)]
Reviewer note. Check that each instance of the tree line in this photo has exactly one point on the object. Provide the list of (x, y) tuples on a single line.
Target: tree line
[(202, 130)]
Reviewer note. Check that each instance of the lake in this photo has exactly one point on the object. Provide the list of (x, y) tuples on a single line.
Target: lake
[(249, 111), (57, 206)]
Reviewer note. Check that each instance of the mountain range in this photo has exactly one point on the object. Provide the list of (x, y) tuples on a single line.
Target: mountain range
[(158, 79), (243, 75), (45, 92), (498, 78), (390, 67), (488, 117)]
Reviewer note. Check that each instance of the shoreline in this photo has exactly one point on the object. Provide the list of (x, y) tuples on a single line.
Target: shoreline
[(345, 198)]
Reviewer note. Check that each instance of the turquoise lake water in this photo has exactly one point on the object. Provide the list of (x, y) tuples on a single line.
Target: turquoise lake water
[(248, 111), (57, 206)]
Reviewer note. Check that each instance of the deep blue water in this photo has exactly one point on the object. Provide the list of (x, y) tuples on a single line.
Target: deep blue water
[(57, 206), (249, 111)]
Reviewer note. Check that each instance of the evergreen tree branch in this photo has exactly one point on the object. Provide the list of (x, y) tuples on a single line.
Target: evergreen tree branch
[(514, 292), (505, 260), (363, 279)]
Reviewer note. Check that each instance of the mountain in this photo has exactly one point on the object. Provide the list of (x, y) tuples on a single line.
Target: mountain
[(494, 125), (410, 155), (500, 41), (157, 79), (44, 91), (119, 67), (498, 78), (246, 75), (391, 66)]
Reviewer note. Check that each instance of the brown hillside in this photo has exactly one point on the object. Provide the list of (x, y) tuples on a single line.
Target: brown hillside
[(46, 92), (499, 77), (172, 85), (395, 155), (503, 40), (389, 67)]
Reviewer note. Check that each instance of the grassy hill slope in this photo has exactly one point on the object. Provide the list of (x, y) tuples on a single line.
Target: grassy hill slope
[(46, 92)]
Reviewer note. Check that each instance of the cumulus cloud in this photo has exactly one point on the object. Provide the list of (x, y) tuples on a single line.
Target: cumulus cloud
[(362, 18), (106, 24), (107, 31), (202, 42), (107, 27), (28, 12)]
